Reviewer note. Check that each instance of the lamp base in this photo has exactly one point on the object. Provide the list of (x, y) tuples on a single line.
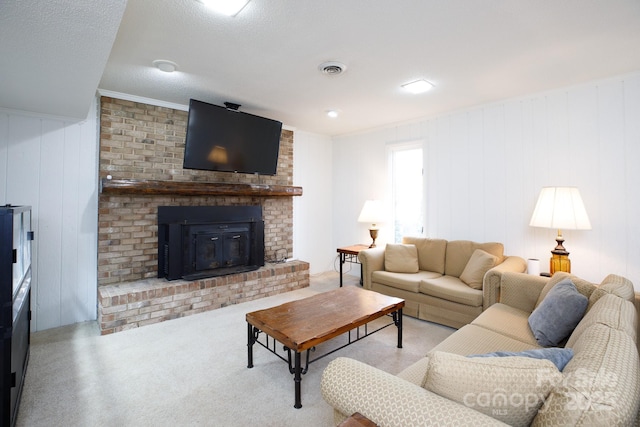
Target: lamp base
[(559, 262), (559, 257), (373, 232)]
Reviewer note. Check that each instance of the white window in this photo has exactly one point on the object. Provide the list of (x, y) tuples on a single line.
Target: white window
[(406, 172)]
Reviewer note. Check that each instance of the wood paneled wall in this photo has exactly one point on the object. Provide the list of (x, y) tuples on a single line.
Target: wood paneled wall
[(51, 164)]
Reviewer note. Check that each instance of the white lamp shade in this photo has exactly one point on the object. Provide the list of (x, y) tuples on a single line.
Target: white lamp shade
[(372, 212), (560, 208)]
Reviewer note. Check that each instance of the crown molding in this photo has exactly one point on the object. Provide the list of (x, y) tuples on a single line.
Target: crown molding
[(156, 102)]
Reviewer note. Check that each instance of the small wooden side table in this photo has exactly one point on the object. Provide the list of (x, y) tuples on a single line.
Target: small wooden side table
[(350, 254), (357, 420)]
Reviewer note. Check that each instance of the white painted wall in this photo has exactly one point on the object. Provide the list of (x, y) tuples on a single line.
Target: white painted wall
[(312, 222), (359, 174), (485, 167), (50, 163)]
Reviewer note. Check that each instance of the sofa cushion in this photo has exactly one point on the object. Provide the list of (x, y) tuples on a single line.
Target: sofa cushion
[(451, 289), (431, 252), (612, 311), (507, 321), (405, 281), (521, 290), (459, 252), (400, 258), (478, 265), (616, 285), (558, 314), (510, 389), (601, 385), (558, 356), (583, 286), (472, 339)]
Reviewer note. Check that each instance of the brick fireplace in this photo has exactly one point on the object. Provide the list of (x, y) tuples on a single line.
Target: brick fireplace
[(144, 145)]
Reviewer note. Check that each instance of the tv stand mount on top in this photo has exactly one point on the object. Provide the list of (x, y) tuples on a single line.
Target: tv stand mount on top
[(231, 106)]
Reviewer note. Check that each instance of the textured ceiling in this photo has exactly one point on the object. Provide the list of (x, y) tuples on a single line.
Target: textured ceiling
[(53, 53), (266, 58)]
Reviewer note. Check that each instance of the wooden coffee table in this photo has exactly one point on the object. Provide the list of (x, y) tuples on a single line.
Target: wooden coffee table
[(301, 325)]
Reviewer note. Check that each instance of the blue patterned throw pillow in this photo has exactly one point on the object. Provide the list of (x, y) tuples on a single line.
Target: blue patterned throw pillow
[(559, 356), (558, 314)]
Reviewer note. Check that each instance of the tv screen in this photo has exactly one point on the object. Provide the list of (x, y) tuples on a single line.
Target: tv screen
[(221, 139)]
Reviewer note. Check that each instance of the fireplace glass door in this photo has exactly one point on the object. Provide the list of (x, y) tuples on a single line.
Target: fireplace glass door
[(208, 250), (214, 249), (215, 246)]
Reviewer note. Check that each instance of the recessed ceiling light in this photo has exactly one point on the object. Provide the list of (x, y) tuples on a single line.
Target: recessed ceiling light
[(164, 65), (332, 113), (419, 86), (226, 7)]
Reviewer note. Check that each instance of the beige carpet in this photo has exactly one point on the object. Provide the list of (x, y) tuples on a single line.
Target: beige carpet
[(193, 371)]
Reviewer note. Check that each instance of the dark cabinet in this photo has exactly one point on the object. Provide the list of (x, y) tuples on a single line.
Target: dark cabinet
[(15, 299)]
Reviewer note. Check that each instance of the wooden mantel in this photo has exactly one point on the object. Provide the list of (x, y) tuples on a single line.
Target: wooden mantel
[(117, 187)]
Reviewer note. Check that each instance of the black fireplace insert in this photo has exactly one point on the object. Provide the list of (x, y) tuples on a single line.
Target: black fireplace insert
[(195, 242)]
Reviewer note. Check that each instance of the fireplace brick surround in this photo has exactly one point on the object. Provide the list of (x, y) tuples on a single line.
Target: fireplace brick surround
[(145, 142)]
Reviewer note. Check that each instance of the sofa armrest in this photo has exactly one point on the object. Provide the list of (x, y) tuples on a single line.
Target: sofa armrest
[(521, 290), (351, 386), (493, 277), (372, 260)]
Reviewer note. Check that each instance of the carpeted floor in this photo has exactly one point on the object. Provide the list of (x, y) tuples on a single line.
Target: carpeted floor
[(193, 371)]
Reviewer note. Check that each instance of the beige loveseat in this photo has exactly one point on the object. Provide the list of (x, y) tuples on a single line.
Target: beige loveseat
[(442, 281), (599, 386)]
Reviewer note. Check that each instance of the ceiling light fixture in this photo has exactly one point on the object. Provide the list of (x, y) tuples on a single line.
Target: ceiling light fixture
[(164, 65), (332, 68), (419, 86), (226, 7), (332, 113)]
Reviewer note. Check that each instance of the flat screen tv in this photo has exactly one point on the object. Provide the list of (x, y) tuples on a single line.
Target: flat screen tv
[(222, 139)]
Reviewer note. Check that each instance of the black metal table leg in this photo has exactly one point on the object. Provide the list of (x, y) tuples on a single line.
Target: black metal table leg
[(250, 341), (397, 319), (297, 378), (343, 259)]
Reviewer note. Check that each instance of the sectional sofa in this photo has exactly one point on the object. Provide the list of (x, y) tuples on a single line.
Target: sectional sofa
[(589, 377)]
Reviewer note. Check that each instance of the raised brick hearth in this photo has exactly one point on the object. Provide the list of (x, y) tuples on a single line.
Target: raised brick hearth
[(134, 304)]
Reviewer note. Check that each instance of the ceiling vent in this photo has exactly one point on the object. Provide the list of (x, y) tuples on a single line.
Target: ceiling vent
[(332, 68)]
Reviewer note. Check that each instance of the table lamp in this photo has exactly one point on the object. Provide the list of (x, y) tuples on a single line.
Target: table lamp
[(373, 213), (560, 208)]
